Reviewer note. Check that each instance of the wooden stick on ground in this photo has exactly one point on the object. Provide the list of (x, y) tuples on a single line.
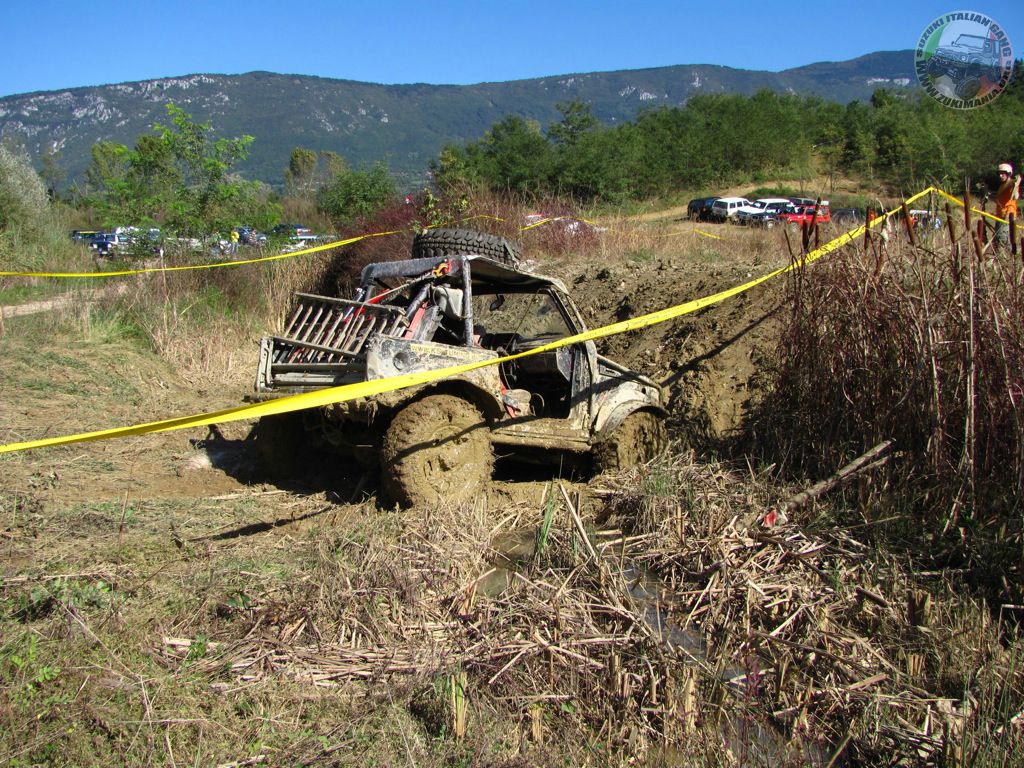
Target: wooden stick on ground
[(862, 463)]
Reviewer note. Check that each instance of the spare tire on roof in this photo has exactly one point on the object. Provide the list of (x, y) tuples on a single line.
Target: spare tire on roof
[(435, 243)]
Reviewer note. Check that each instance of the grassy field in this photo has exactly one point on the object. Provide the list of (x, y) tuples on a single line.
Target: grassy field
[(161, 603)]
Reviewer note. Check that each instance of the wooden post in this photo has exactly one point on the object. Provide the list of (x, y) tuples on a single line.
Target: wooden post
[(1013, 234), (908, 225), (812, 226), (967, 206), (967, 221), (867, 227)]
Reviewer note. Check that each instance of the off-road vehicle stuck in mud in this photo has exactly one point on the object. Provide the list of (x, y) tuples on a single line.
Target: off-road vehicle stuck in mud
[(462, 298)]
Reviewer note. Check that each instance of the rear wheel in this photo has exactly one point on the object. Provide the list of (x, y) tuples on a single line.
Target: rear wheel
[(437, 448), (437, 243), (637, 440)]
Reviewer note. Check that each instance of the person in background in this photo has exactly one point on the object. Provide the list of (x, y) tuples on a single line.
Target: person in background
[(1006, 203)]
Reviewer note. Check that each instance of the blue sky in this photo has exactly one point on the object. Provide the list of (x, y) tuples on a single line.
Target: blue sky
[(57, 44)]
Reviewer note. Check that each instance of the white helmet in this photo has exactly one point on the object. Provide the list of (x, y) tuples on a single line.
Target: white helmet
[(1006, 168)]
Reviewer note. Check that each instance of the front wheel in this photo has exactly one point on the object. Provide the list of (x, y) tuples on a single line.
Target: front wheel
[(968, 88), (437, 448), (638, 439)]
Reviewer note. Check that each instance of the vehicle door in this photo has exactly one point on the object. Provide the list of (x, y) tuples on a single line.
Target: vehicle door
[(555, 384)]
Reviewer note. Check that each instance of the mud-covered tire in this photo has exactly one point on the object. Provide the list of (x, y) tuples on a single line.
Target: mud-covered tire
[(280, 444), (638, 439), (436, 243), (437, 448)]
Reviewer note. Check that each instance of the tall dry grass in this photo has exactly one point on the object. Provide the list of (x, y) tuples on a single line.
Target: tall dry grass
[(921, 342)]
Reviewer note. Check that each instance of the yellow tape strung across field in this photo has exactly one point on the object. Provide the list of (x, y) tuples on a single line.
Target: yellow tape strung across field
[(959, 202), (212, 265), (370, 388), (357, 238)]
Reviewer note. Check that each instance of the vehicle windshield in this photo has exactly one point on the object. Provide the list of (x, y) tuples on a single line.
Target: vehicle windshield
[(530, 315), (971, 41)]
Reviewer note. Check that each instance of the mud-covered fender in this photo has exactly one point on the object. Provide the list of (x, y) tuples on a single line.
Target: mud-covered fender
[(388, 356), (613, 414)]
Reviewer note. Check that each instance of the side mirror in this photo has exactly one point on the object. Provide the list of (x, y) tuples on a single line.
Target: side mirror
[(497, 303)]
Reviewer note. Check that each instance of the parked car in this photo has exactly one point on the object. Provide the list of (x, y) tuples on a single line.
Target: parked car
[(249, 236), (767, 218), (128, 241), (567, 223), (461, 298), (295, 232), (105, 243), (83, 235), (805, 214), (725, 208), (699, 209), (762, 205)]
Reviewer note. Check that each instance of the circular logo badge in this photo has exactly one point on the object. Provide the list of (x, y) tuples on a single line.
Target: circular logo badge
[(964, 59)]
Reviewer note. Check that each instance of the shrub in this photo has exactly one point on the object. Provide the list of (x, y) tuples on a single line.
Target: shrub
[(353, 195), (24, 208)]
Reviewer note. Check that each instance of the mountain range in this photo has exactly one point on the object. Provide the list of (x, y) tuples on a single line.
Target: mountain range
[(403, 125)]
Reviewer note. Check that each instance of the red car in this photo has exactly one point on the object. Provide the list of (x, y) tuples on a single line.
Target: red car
[(800, 214)]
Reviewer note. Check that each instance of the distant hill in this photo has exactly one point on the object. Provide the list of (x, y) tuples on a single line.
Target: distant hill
[(405, 125)]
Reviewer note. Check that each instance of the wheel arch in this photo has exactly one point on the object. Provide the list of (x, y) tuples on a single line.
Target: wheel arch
[(479, 397), (607, 420)]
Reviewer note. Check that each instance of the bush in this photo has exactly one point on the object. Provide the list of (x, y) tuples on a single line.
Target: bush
[(354, 195), (24, 207)]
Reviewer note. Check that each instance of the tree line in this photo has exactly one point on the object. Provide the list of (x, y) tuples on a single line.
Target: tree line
[(904, 141), (182, 177)]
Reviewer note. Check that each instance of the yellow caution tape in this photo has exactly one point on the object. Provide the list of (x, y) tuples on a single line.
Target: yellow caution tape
[(348, 392), (357, 238), (961, 204), (212, 265)]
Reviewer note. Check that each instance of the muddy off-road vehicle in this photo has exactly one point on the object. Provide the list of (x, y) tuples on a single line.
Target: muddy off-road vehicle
[(463, 297), (965, 62)]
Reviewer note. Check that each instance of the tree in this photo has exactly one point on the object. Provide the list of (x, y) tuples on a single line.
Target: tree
[(23, 201), (453, 173), (356, 194), (25, 213), (332, 165), (178, 175), (300, 176), (52, 172), (515, 156), (577, 121), (208, 191)]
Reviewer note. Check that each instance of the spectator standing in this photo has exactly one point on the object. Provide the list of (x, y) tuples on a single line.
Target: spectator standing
[(1006, 203)]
